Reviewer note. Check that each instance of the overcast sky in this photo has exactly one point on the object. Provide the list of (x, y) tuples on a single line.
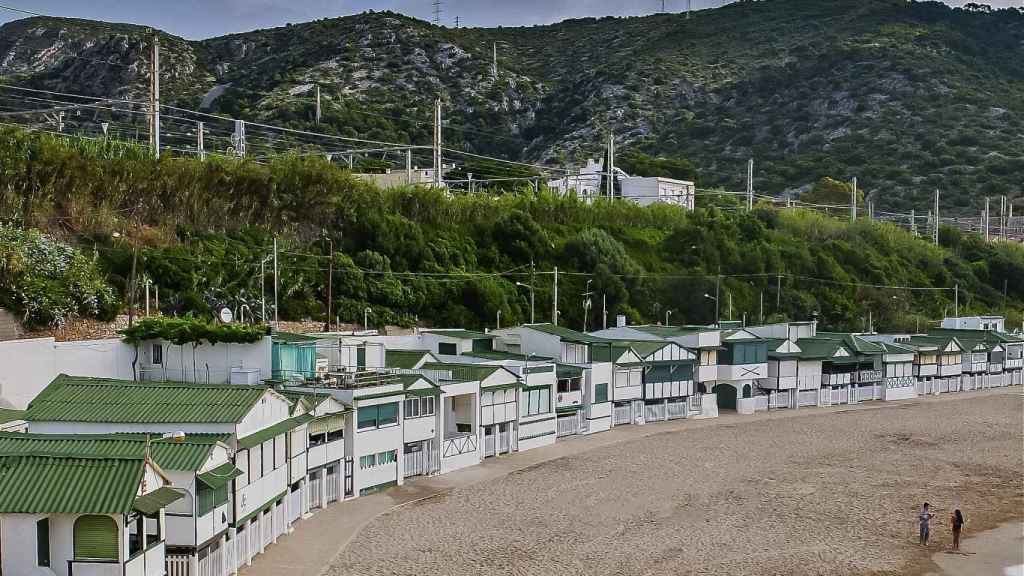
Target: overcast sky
[(206, 18)]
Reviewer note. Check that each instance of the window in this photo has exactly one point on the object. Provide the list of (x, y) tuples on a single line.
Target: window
[(447, 349), (567, 385), (153, 535), (389, 457), (708, 357), (535, 401), (368, 461), (335, 435), (387, 414), (95, 538), (317, 439), (135, 533), (419, 407), (367, 417), (158, 354), (600, 393), (574, 353), (43, 542)]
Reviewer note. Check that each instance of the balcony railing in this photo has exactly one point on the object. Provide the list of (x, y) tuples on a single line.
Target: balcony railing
[(461, 444), (361, 379), (869, 376)]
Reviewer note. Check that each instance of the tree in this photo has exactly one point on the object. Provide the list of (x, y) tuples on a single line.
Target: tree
[(831, 192)]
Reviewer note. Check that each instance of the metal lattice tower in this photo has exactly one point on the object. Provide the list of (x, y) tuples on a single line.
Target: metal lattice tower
[(437, 12)]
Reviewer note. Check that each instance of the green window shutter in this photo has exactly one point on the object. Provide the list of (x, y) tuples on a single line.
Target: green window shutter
[(220, 496), (43, 542), (96, 538), (206, 500), (361, 357), (600, 393)]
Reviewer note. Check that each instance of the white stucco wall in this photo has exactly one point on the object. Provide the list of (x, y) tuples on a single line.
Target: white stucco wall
[(30, 365), (212, 362)]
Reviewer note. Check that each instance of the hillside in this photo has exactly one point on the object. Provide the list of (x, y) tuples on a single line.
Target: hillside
[(203, 231), (908, 96)]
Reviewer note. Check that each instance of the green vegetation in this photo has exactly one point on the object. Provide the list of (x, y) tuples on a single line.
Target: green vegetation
[(188, 330), (49, 282), (203, 230), (907, 96)]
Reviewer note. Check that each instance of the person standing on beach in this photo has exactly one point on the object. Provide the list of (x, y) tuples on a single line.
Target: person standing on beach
[(957, 521), (923, 518)]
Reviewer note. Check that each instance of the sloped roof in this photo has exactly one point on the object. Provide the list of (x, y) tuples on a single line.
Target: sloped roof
[(823, 348), (502, 355), (293, 338), (79, 399), (895, 348), (459, 333), (942, 341), (188, 455), (567, 334), (8, 415), (265, 434), (31, 484), (405, 359), (464, 371)]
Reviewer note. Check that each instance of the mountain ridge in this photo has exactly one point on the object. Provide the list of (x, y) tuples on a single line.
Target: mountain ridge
[(909, 97)]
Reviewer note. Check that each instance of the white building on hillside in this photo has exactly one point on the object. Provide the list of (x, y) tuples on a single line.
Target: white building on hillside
[(643, 190)]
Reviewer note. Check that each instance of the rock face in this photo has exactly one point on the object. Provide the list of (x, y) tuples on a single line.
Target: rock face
[(907, 96)]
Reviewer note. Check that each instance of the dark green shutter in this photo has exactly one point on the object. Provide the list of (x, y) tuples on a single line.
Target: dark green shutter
[(600, 393), (43, 542), (206, 500), (96, 538), (361, 357)]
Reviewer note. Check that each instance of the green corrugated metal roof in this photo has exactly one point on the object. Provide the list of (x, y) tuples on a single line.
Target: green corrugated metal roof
[(568, 371), (56, 485), (293, 338), (462, 334), (404, 359), (502, 355), (220, 475), (466, 372), (168, 455), (261, 436), (895, 348), (151, 502), (77, 399), (567, 334), (8, 415)]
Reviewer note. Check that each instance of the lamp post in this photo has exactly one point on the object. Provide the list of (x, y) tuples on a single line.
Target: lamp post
[(499, 319), (710, 297), (586, 303), (667, 314), (532, 308), (366, 318)]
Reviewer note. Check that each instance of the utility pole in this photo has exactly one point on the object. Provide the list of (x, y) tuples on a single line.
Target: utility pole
[(275, 281), (408, 166), (494, 65), (762, 307), (457, 25), (154, 98), (688, 2), (317, 103), (1002, 219), (750, 185), (956, 300), (778, 294), (853, 201), (718, 294), (984, 219), (200, 147), (437, 12), (913, 222), (438, 180), (330, 277), (132, 286), (238, 138), (604, 311), (610, 168), (533, 282), (937, 220), (554, 301)]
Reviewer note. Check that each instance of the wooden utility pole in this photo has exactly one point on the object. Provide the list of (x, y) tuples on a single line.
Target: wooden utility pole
[(154, 98), (438, 179), (318, 104)]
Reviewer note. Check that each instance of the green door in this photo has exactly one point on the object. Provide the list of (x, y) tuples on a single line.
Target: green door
[(726, 396), (96, 538), (361, 357)]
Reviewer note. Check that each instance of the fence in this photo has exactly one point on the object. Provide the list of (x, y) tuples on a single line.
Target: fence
[(676, 408), (654, 412), (621, 415), (177, 564), (568, 425), (808, 397)]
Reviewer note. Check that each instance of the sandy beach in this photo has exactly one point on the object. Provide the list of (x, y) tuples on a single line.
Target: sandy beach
[(830, 493)]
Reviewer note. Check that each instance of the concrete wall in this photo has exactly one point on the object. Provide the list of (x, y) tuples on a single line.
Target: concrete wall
[(213, 363), (30, 365)]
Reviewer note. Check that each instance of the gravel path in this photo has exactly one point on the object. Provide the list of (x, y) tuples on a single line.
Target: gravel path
[(824, 494)]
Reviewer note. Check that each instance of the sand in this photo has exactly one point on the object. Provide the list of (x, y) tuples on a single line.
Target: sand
[(825, 493)]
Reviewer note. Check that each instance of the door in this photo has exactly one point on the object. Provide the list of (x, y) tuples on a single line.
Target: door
[(503, 434), (315, 483), (488, 441), (348, 477), (332, 483), (726, 396)]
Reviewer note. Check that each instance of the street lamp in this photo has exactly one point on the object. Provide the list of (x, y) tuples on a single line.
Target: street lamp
[(530, 288), (710, 297), (366, 318), (667, 314), (586, 303)]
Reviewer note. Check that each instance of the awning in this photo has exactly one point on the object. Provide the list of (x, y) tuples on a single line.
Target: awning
[(326, 424), (265, 434), (568, 371), (220, 475), (567, 409), (152, 502)]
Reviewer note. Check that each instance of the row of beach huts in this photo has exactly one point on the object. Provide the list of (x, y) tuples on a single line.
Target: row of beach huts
[(191, 461)]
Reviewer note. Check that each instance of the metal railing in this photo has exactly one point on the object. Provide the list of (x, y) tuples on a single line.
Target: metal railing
[(361, 379)]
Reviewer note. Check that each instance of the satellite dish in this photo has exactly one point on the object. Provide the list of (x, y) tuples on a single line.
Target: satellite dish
[(226, 316)]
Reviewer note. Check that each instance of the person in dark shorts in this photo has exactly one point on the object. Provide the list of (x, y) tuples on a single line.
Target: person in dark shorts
[(957, 521), (923, 519)]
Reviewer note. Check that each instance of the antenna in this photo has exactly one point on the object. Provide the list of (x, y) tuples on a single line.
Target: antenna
[(437, 12)]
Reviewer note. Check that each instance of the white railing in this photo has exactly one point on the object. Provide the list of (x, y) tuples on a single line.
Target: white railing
[(622, 415), (178, 565), (268, 529), (212, 564), (489, 445), (332, 484), (416, 463), (676, 409), (808, 397), (696, 402), (779, 399), (459, 445), (654, 412), (294, 505), (567, 426)]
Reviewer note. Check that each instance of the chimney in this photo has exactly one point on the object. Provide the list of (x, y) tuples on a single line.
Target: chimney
[(620, 321)]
